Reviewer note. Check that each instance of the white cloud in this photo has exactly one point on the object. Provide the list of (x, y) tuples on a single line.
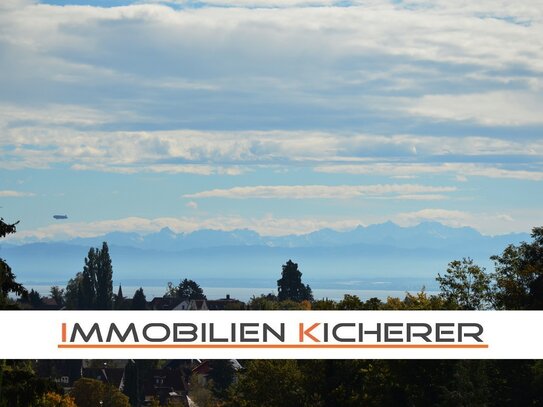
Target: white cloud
[(267, 225), (445, 216), (234, 153), (461, 170), (15, 194), (55, 114), (192, 205), (488, 222), (398, 191), (492, 108)]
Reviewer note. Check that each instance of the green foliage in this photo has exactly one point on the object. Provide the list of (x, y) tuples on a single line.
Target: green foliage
[(519, 275), (139, 302), (20, 386), (290, 286), (187, 290), (373, 304), (222, 375), (90, 392), (7, 278), (132, 383), (92, 288), (324, 305), (263, 302), (202, 394), (104, 279), (136, 373), (465, 286), (268, 383), (57, 294), (72, 293), (350, 302), (34, 299), (55, 400)]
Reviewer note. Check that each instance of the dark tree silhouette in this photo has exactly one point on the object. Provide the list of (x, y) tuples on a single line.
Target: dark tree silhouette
[(7, 278), (104, 279), (187, 289), (139, 302), (290, 286)]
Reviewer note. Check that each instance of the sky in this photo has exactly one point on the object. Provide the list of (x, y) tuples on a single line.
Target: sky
[(280, 116)]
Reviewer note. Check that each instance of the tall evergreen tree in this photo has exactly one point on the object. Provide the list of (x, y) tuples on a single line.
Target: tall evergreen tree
[(95, 283), (104, 279), (290, 286), (87, 292)]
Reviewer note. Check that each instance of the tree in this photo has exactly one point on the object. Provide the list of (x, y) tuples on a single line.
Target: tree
[(34, 299), (7, 278), (465, 285), (187, 289), (263, 302), (51, 399), (87, 289), (350, 302), (519, 275), (132, 383), (119, 299), (222, 375), (104, 279), (20, 386), (92, 288), (290, 286), (57, 294), (91, 393), (72, 294), (269, 383), (139, 302)]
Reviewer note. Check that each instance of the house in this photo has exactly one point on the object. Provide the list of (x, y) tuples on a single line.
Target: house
[(164, 303), (110, 375), (49, 304), (63, 372), (225, 304), (166, 385), (202, 370)]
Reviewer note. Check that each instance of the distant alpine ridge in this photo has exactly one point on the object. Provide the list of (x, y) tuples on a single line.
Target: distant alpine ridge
[(381, 253)]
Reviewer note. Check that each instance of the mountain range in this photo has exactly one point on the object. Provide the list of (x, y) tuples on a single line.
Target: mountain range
[(365, 257)]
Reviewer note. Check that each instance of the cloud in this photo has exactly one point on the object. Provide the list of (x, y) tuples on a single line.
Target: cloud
[(461, 170), (54, 114), (192, 205), (262, 63), (492, 108), (234, 153), (445, 216), (267, 225), (397, 191), (487, 222), (15, 194)]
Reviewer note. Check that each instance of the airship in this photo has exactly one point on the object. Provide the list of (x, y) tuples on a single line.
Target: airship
[(60, 216)]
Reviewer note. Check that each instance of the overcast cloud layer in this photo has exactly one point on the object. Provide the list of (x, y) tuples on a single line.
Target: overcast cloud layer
[(314, 114)]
